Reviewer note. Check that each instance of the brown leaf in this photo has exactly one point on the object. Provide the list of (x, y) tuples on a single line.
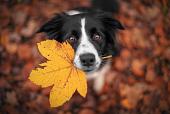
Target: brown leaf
[(24, 51), (138, 67), (11, 98), (150, 74), (29, 86), (3, 83), (127, 104), (30, 29), (132, 94), (86, 111), (27, 69)]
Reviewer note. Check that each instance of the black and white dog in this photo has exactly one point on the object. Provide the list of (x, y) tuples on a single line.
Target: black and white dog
[(91, 34)]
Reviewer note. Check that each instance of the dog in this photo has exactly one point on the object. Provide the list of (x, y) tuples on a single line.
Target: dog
[(91, 33)]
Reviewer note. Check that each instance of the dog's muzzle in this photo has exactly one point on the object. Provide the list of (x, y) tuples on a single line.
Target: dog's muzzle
[(87, 60)]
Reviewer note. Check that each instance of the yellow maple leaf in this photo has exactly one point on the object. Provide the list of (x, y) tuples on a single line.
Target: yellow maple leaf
[(59, 72)]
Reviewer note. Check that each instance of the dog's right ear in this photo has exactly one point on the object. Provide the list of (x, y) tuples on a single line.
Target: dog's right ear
[(53, 27)]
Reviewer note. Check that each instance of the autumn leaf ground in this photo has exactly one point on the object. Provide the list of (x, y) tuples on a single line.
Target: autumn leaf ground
[(139, 82)]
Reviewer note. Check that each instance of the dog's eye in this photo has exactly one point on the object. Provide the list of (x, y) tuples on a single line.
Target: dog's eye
[(72, 39), (97, 37)]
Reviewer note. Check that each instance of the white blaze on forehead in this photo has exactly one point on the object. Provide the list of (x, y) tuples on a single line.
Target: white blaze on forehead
[(73, 12), (85, 46)]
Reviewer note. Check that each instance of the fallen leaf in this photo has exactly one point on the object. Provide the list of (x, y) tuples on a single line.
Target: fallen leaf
[(126, 103), (30, 29), (59, 72), (11, 98), (132, 94), (22, 49), (86, 111), (138, 67), (29, 86)]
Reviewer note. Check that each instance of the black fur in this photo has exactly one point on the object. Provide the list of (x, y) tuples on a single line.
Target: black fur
[(53, 27)]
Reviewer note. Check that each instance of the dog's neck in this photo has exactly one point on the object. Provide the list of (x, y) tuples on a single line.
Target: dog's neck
[(103, 70), (99, 77)]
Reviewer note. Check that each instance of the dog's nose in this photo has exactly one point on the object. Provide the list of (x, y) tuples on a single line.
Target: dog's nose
[(87, 59)]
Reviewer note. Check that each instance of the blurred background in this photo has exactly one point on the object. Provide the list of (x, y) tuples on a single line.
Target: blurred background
[(138, 83)]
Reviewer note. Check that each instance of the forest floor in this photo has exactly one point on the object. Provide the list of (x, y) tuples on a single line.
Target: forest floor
[(138, 83)]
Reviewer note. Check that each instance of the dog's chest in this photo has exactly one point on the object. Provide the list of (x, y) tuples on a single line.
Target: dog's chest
[(99, 77)]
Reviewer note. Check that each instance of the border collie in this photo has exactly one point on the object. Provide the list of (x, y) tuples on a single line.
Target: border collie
[(91, 34)]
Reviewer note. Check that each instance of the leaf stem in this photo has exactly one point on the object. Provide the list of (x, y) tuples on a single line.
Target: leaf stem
[(107, 57)]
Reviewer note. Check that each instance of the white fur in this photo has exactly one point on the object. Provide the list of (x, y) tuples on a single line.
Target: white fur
[(85, 46), (98, 77), (73, 12)]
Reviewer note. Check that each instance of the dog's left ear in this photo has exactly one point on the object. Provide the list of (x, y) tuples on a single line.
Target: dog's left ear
[(108, 21), (112, 23), (53, 27), (116, 24)]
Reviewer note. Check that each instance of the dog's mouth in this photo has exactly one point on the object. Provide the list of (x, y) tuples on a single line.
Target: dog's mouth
[(89, 68)]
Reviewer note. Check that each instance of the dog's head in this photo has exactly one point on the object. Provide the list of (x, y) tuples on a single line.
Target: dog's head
[(91, 34)]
